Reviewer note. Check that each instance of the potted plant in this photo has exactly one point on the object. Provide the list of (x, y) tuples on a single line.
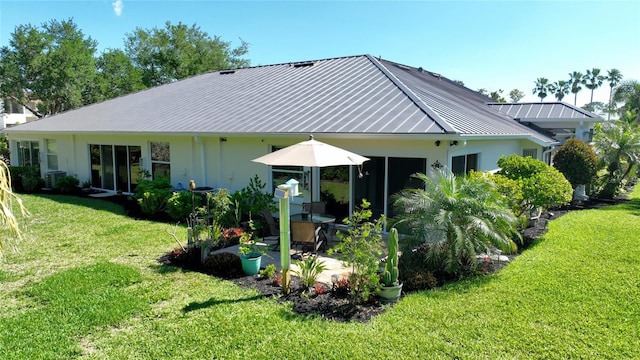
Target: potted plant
[(391, 287), (250, 252)]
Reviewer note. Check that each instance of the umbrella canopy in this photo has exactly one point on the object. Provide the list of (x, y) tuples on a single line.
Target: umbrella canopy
[(311, 153)]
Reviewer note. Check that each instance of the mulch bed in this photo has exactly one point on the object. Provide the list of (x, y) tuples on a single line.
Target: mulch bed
[(326, 304)]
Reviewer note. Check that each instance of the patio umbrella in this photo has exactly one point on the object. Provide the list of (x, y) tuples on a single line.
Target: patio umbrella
[(311, 153)]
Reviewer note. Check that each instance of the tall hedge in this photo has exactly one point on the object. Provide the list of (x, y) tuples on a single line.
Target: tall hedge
[(577, 161)]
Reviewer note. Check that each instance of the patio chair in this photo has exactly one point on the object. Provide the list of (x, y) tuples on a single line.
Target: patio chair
[(306, 233), (271, 233), (316, 207)]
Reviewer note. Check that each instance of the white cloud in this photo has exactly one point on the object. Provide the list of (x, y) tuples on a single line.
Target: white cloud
[(117, 7)]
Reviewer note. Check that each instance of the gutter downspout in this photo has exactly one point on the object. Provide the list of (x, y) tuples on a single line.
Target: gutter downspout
[(203, 163)]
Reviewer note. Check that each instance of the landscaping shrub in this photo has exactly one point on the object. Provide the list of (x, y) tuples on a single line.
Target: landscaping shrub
[(218, 205), (361, 248), (181, 204), (459, 217), (543, 186), (414, 271), (224, 264), (249, 202), (152, 195), (26, 179), (67, 184), (577, 161)]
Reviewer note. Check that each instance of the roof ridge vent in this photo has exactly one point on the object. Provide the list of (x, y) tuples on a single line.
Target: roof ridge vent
[(404, 67), (302, 64), (227, 72)]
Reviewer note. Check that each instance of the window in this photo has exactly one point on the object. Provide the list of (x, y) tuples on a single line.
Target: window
[(530, 152), (52, 154), (281, 174), (11, 107), (463, 164), (28, 153), (160, 160)]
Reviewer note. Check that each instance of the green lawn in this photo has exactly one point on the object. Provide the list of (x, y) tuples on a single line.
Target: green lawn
[(85, 284)]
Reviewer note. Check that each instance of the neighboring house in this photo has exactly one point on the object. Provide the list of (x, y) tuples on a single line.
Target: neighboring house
[(14, 114), (209, 128)]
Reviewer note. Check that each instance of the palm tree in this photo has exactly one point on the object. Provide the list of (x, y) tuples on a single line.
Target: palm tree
[(458, 216), (575, 79), (618, 143), (542, 88), (8, 221), (592, 80), (629, 92), (559, 89), (614, 76)]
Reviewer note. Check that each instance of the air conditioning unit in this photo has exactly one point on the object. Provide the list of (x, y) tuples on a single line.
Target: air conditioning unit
[(51, 178)]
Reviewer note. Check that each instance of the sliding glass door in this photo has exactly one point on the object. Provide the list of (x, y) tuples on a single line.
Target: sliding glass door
[(382, 177), (115, 167)]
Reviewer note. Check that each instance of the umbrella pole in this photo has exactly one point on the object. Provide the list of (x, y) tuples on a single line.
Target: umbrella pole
[(311, 201)]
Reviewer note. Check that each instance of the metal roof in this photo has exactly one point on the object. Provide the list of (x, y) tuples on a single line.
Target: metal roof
[(544, 111), (347, 95), (463, 109)]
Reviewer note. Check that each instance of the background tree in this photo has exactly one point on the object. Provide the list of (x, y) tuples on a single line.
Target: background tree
[(483, 91), (596, 107), (614, 76), (575, 79), (541, 88), (53, 66), (516, 95), (559, 89), (628, 93), (496, 96), (116, 75), (459, 82), (179, 51), (592, 80)]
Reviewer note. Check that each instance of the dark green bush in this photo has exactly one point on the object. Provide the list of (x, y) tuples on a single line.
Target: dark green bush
[(67, 184), (223, 264), (577, 161), (414, 271), (26, 178), (152, 195)]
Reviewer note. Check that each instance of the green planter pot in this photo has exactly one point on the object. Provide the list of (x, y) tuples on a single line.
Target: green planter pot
[(251, 263), (390, 294)]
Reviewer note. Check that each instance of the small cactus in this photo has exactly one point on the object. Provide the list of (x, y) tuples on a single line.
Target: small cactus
[(390, 273)]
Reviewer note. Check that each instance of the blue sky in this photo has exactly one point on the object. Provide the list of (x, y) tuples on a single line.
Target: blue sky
[(489, 44)]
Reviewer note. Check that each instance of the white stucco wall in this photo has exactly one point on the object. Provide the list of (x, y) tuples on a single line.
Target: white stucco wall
[(227, 162)]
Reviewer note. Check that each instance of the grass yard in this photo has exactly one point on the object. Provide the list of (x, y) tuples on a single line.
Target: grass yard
[(85, 284)]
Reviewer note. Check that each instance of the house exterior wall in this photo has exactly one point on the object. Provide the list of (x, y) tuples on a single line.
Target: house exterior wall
[(226, 162)]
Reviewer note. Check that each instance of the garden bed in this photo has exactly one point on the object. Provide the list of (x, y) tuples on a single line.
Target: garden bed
[(330, 305)]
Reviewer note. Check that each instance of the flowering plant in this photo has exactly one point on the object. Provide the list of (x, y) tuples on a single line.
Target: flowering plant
[(232, 234)]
